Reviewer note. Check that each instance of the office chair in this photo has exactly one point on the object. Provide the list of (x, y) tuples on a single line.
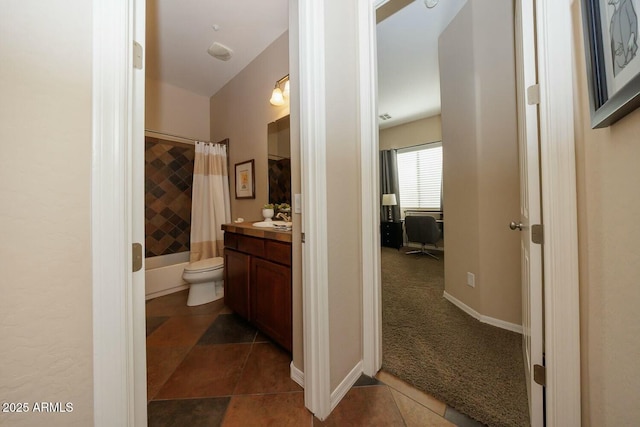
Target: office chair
[(422, 229)]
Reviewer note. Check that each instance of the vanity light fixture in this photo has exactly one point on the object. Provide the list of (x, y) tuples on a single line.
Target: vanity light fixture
[(280, 92)]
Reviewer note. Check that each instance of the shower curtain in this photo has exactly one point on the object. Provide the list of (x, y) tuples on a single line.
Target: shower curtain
[(210, 201)]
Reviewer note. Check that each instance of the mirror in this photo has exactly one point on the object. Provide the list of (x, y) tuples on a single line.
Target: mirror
[(279, 161)]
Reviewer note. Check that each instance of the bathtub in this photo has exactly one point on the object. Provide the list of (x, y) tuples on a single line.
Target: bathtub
[(163, 274)]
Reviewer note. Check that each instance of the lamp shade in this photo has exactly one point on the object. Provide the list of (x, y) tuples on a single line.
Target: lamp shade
[(276, 97), (389, 200)]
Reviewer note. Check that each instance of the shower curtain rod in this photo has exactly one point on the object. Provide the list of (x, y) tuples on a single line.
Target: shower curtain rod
[(191, 141)]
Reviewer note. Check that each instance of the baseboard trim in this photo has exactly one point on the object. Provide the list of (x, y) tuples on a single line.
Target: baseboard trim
[(166, 292), (296, 375), (346, 384), (481, 317)]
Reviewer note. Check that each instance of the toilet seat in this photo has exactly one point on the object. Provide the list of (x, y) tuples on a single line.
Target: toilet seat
[(205, 265)]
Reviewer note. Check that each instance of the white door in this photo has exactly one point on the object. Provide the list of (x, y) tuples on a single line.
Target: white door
[(530, 212)]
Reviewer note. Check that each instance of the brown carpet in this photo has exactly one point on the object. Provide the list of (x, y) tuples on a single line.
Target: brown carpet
[(430, 343)]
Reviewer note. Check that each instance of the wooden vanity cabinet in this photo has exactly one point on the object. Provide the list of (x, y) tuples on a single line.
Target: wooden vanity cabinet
[(271, 300), (257, 284), (236, 281)]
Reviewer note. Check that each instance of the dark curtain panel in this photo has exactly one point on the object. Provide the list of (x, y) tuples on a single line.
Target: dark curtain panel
[(389, 184)]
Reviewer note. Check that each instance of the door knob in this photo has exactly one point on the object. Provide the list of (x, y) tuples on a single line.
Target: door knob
[(515, 225)]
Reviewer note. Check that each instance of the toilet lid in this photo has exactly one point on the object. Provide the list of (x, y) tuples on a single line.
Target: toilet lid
[(205, 265)]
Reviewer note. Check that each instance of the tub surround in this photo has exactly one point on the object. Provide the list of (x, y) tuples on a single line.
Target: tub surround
[(163, 274), (168, 171), (257, 278)]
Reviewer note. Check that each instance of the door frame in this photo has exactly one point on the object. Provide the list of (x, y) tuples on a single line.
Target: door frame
[(559, 213), (119, 354), (559, 209), (370, 188), (315, 276)]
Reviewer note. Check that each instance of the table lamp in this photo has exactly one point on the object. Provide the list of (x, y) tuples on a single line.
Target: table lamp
[(389, 200)]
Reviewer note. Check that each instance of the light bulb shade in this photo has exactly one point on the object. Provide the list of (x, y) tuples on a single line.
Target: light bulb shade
[(276, 97), (285, 92), (389, 200)]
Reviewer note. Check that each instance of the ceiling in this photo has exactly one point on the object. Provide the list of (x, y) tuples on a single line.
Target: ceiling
[(408, 75), (179, 34)]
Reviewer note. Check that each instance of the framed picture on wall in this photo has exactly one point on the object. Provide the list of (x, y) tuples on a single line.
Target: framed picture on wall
[(613, 61), (245, 180)]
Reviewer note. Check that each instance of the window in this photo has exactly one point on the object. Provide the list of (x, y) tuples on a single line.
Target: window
[(420, 177)]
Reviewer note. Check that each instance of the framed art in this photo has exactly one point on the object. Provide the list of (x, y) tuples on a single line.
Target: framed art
[(245, 180), (613, 64)]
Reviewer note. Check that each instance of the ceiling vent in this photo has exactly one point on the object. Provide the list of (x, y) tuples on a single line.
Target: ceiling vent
[(220, 51), (384, 116)]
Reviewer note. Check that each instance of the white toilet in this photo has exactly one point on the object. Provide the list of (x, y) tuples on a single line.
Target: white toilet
[(205, 278)]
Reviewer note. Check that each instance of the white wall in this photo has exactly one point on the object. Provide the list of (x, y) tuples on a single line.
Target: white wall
[(45, 176), (480, 170)]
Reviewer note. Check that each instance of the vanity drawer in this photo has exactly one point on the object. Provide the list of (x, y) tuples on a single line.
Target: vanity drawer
[(230, 240), (250, 245), (278, 252)]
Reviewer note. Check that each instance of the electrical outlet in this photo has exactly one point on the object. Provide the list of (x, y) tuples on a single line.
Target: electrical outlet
[(471, 279)]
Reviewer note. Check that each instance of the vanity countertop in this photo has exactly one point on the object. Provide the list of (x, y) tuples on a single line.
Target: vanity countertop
[(248, 229)]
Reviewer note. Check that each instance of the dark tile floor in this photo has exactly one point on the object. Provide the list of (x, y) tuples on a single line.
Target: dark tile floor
[(208, 367)]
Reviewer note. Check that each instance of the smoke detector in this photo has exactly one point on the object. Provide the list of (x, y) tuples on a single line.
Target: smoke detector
[(431, 3), (220, 51)]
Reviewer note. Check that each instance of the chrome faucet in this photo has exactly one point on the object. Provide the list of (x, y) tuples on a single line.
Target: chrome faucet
[(284, 216)]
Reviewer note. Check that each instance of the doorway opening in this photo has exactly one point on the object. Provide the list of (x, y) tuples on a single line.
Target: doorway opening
[(450, 302)]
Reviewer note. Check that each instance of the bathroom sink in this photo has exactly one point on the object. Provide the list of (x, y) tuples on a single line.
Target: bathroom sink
[(270, 224)]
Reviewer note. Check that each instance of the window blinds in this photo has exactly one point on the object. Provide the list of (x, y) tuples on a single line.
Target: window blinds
[(420, 176)]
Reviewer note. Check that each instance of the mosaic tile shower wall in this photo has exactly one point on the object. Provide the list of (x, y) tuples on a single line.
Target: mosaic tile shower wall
[(168, 170), (280, 181)]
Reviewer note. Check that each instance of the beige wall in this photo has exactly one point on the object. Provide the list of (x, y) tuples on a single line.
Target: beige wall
[(172, 110), (460, 153), (608, 179), (499, 278), (343, 190), (45, 177), (480, 169), (409, 134), (241, 112)]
